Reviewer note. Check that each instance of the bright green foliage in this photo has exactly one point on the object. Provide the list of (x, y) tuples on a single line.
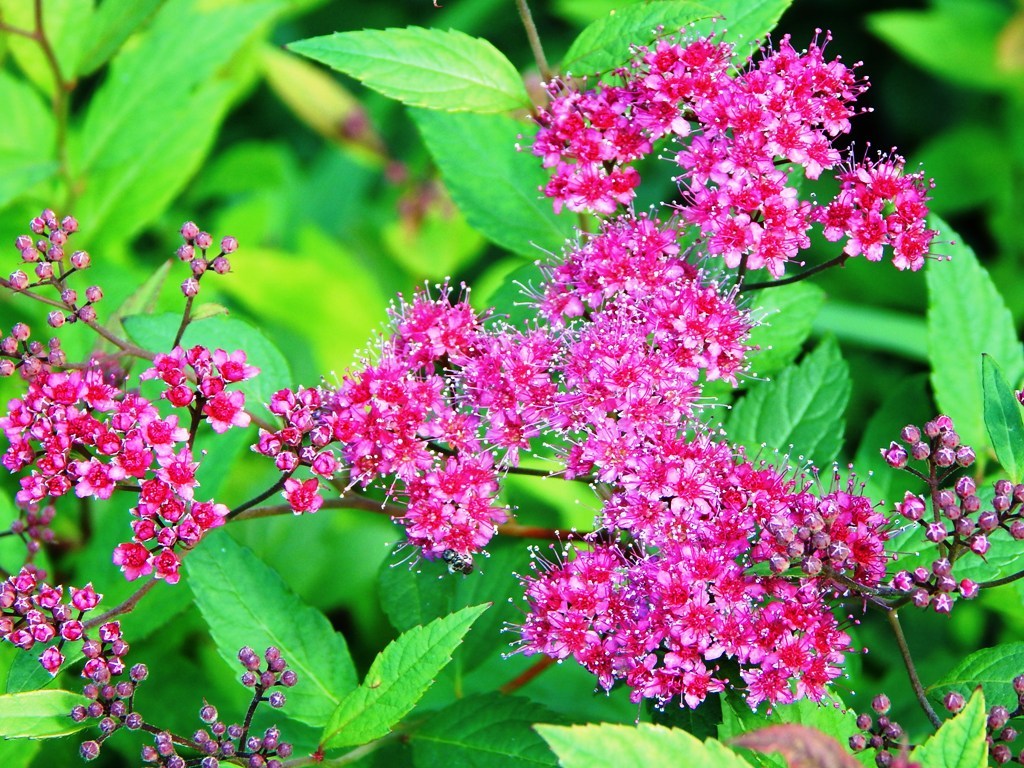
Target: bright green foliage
[(803, 407), (584, 746), (39, 714), (397, 679), (967, 318), (786, 315), (429, 68), (244, 602), (960, 742), (1002, 419), (991, 668)]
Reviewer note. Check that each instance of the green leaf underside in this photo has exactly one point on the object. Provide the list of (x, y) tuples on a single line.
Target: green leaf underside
[(500, 195), (803, 407), (623, 746), (244, 602), (967, 318), (397, 679), (960, 742), (488, 729), (432, 68), (1002, 418), (39, 714)]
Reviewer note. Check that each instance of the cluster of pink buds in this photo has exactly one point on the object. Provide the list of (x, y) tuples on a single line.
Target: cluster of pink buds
[(881, 733), (46, 248), (19, 352), (745, 142), (196, 252), (33, 526), (222, 743), (32, 612), (113, 704), (959, 524)]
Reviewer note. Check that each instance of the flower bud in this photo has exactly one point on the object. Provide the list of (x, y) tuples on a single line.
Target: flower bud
[(204, 240), (55, 319), (89, 750), (18, 280), (80, 260), (189, 230), (94, 293), (228, 244), (221, 265), (881, 704), (190, 287), (910, 434)]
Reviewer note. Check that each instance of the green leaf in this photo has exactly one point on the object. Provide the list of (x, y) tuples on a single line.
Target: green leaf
[(786, 315), (991, 668), (430, 68), (875, 328), (63, 21), (747, 22), (960, 742), (244, 602), (154, 118), (39, 714), (484, 731), (499, 196), (19, 172), (397, 679), (411, 597), (604, 44), (1002, 419), (29, 125), (156, 332), (802, 407), (966, 318), (584, 746), (110, 25), (969, 33), (18, 753)]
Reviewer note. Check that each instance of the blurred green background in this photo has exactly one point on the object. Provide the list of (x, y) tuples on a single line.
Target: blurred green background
[(204, 116)]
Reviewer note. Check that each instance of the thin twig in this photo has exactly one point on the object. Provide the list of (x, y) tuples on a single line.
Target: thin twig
[(1004, 580), (534, 38), (837, 261), (124, 607), (908, 662), (351, 501), (535, 670)]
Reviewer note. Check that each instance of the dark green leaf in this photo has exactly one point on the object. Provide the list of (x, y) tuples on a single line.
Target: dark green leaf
[(604, 44), (244, 602), (702, 722), (991, 668), (1002, 419), (802, 407), (584, 746), (411, 597), (499, 196), (484, 731), (786, 315), (140, 302), (397, 679), (156, 332), (960, 742), (430, 68), (39, 714), (18, 753), (966, 318)]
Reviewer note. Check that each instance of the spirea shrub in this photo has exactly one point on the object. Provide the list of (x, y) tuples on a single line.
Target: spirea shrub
[(721, 575)]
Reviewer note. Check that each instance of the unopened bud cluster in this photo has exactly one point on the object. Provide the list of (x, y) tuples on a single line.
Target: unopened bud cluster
[(46, 250), (19, 351), (959, 524), (881, 733), (113, 704), (231, 743), (196, 252)]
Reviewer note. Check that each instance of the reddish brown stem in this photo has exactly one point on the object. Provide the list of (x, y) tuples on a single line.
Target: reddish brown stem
[(534, 671)]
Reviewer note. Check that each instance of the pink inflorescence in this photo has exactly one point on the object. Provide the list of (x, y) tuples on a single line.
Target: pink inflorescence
[(34, 613), (75, 432), (744, 141)]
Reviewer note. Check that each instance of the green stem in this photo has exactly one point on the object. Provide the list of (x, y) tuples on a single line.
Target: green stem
[(908, 662), (534, 38)]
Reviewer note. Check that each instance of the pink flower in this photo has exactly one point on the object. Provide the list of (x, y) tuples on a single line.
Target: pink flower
[(133, 559), (166, 564), (226, 410), (232, 365), (303, 495)]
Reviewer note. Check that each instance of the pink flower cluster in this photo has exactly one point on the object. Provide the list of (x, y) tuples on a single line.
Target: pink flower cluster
[(32, 612), (77, 432), (698, 569), (745, 141)]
